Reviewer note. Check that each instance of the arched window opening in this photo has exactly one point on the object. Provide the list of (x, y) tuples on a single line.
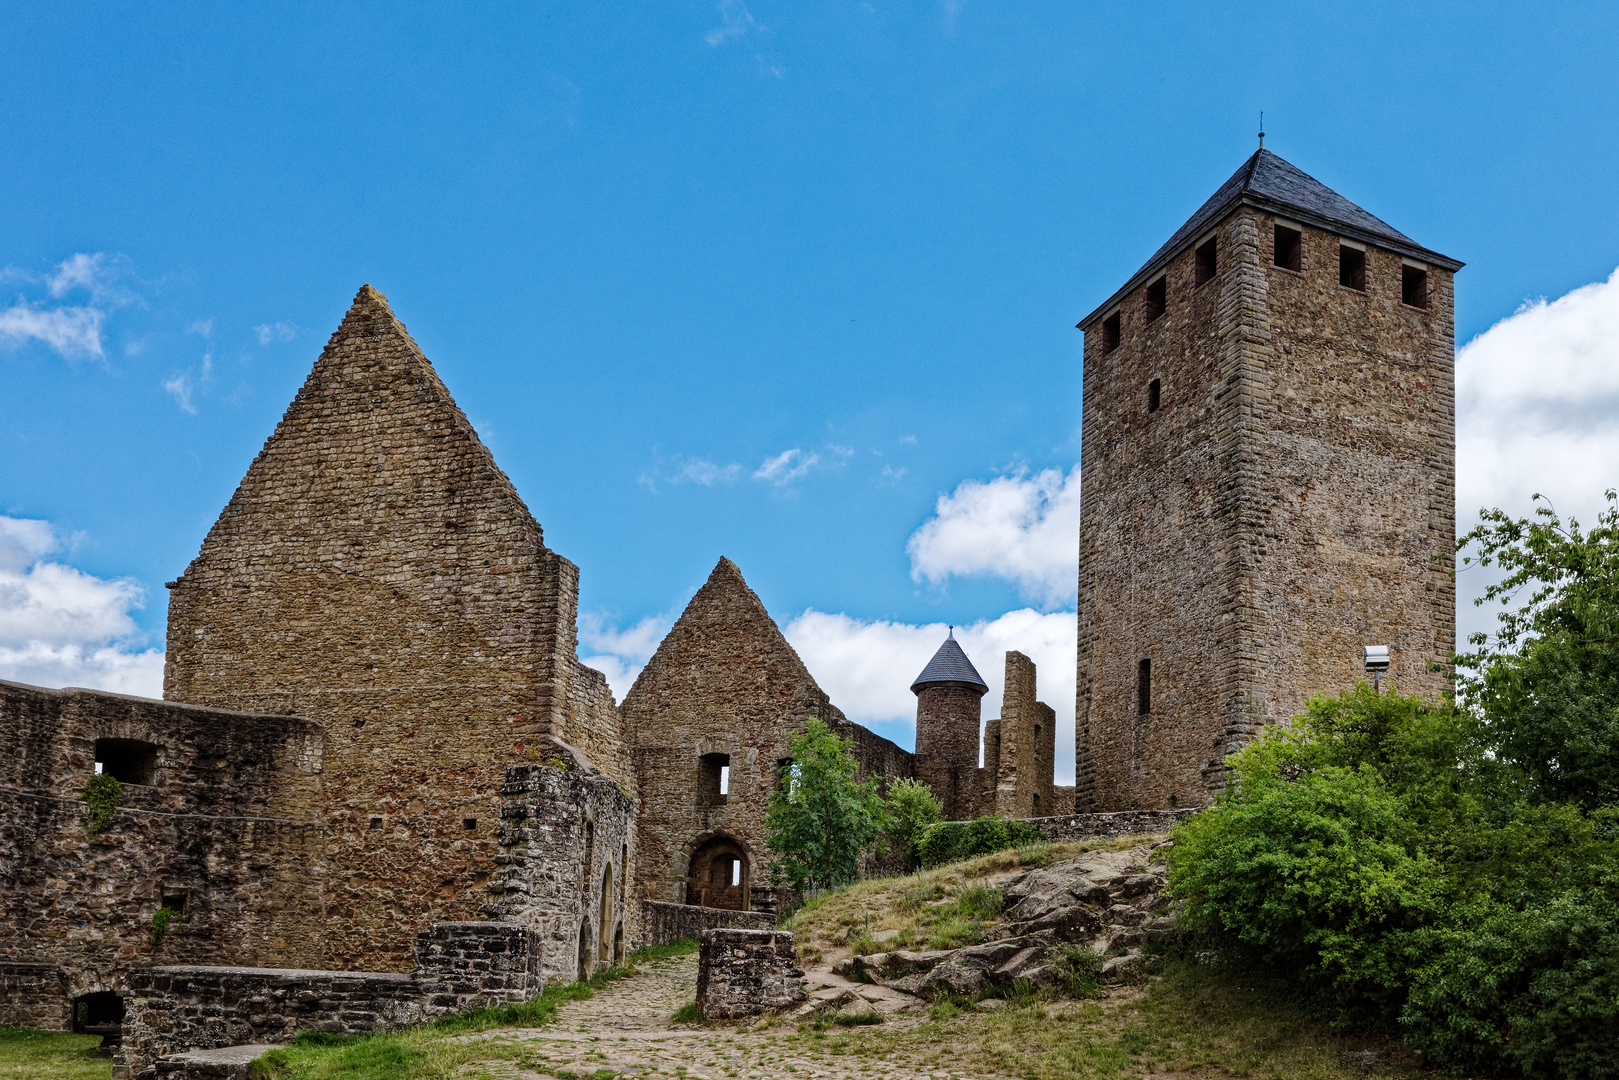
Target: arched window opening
[(584, 950), (100, 1013), (719, 875)]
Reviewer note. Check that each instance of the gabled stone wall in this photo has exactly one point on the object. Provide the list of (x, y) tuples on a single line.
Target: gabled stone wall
[(724, 682), (377, 572)]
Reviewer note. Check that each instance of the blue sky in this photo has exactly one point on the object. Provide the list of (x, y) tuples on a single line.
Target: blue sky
[(764, 280)]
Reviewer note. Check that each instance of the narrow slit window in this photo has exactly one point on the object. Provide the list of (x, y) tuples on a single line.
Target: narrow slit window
[(1154, 395), (1157, 298), (736, 871), (1289, 251), (1037, 738), (1352, 268), (1110, 333), (1204, 265), (1414, 286), (1144, 687), (725, 779)]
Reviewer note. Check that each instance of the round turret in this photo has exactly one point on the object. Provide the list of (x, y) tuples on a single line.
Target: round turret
[(949, 694)]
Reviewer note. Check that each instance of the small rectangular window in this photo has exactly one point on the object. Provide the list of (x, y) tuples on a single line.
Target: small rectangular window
[(713, 779), (1144, 687), (1352, 268), (1157, 298), (736, 871), (1204, 266), (1110, 333), (469, 823), (1289, 249), (1414, 286), (1154, 395), (127, 761), (174, 900), (725, 779)]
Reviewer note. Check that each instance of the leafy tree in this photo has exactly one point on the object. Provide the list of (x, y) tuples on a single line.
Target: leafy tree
[(912, 807), (1546, 687), (821, 818)]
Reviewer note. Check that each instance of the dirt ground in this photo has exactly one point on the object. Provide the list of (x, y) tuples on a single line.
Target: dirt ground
[(626, 1029)]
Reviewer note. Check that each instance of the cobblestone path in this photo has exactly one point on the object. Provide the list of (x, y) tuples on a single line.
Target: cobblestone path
[(625, 1030)]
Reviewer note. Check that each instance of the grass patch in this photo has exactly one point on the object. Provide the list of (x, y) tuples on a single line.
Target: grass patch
[(1194, 1020), (686, 1014), (426, 1052), (26, 1054)]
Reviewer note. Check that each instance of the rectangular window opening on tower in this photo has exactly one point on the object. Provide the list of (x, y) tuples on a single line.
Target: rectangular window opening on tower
[(1414, 286), (1204, 266), (1154, 395), (1144, 687), (1110, 333), (725, 779), (713, 779), (1157, 298), (1352, 267), (1289, 252)]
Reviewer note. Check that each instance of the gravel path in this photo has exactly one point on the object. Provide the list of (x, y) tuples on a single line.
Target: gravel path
[(626, 1030)]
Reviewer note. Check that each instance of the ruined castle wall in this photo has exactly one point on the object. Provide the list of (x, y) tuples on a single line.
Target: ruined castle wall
[(724, 681), (1024, 737), (211, 831), (1279, 510), (377, 572), (565, 840)]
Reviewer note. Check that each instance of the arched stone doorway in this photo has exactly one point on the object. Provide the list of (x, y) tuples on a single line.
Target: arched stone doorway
[(719, 875), (584, 950)]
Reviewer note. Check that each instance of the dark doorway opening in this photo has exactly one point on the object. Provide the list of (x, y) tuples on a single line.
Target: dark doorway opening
[(719, 875), (127, 761), (101, 1009)]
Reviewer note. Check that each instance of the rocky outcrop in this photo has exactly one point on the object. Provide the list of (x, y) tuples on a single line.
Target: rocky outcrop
[(1107, 903)]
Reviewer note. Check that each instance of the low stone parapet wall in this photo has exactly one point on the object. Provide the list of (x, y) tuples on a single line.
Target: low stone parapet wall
[(1118, 823), (742, 973), (34, 996), (667, 923), (171, 1010)]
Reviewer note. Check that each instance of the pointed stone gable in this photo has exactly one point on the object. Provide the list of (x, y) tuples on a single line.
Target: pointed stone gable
[(724, 642), (725, 687), (378, 574)]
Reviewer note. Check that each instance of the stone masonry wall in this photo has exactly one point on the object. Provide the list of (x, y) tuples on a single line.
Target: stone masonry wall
[(176, 1008), (35, 996), (206, 833), (1288, 502), (743, 973), (724, 681), (668, 923), (377, 572), (566, 837)]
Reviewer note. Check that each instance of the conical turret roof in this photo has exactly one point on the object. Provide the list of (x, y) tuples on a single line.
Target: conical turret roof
[(950, 665), (1276, 186)]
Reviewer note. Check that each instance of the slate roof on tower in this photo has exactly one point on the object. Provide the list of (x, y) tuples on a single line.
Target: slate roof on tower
[(1276, 186), (950, 665)]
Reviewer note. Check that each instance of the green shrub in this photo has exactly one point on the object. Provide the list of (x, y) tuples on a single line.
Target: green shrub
[(912, 808), (164, 918), (950, 841), (102, 796)]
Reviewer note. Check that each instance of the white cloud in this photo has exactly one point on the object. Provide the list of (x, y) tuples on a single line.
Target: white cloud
[(620, 654), (281, 331), (62, 627), (867, 666), (182, 385), (1020, 527), (735, 22), (1537, 410), (786, 466), (71, 332), (96, 274), (706, 473)]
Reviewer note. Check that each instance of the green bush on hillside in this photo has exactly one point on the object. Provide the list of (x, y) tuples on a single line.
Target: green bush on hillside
[(949, 841)]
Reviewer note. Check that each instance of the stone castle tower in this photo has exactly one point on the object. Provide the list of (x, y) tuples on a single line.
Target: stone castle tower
[(1269, 475), (949, 696)]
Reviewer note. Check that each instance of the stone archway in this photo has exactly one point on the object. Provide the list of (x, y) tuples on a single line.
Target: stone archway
[(719, 875)]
